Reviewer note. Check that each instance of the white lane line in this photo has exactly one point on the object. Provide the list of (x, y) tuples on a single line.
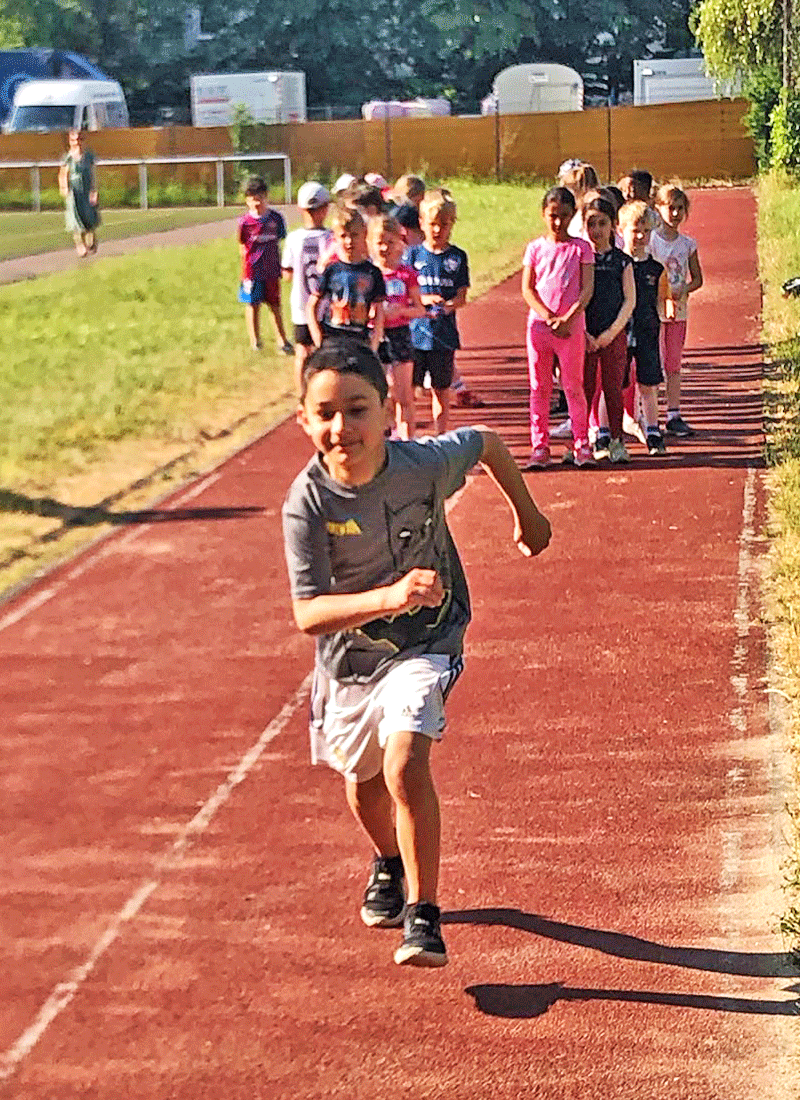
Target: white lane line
[(103, 550), (65, 991), (732, 835)]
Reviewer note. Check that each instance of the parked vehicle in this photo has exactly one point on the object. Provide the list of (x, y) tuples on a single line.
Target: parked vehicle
[(68, 105), (407, 108), (524, 89), (17, 66), (269, 97), (675, 80)]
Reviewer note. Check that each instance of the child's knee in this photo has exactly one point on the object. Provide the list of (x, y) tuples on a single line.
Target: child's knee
[(406, 768)]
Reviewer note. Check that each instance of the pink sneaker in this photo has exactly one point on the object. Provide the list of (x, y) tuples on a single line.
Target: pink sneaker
[(583, 455), (540, 457)]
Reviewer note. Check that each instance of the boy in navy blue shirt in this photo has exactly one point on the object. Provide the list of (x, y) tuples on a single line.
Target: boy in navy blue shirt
[(442, 271), (260, 231), (352, 287)]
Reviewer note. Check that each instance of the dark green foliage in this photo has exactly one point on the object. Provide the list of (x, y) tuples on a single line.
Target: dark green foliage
[(387, 49), (785, 137), (762, 87)]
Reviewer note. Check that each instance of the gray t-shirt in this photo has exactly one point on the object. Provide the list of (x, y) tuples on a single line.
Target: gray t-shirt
[(341, 538)]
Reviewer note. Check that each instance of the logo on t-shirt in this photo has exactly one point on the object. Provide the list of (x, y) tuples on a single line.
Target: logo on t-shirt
[(348, 528)]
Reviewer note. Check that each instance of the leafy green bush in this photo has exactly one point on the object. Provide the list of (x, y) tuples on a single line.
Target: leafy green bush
[(763, 88), (785, 125)]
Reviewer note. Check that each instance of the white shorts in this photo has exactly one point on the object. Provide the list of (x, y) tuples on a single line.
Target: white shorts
[(351, 723)]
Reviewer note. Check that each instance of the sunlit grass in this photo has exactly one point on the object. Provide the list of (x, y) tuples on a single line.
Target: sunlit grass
[(779, 259)]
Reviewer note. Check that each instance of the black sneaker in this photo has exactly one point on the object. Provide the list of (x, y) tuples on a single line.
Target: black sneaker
[(422, 937), (678, 426), (655, 444), (600, 447), (384, 898)]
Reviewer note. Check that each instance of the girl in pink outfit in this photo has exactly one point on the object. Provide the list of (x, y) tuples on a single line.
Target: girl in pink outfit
[(557, 284), (677, 253)]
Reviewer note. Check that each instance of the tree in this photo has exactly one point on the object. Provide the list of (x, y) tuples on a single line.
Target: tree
[(744, 39)]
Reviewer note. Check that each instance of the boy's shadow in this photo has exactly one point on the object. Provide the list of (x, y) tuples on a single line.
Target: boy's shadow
[(527, 1001)]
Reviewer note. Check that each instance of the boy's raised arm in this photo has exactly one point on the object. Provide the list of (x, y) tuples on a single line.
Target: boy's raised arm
[(531, 528)]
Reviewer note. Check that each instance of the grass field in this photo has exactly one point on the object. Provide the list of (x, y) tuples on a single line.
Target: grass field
[(779, 257), (108, 371), (23, 234)]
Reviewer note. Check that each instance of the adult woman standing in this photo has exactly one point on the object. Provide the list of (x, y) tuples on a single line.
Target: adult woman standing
[(76, 182)]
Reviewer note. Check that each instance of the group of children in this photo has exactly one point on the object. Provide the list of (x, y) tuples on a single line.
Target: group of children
[(384, 273), (607, 286), (374, 574)]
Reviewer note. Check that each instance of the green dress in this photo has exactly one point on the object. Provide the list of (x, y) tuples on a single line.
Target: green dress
[(81, 216)]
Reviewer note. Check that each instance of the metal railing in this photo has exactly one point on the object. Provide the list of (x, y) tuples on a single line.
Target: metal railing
[(35, 168)]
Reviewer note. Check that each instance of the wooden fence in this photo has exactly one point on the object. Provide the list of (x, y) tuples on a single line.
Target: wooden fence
[(703, 139)]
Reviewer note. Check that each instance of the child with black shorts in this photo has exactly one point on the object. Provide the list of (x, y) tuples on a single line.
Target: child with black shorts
[(301, 252), (376, 579), (259, 233), (442, 270), (403, 303), (351, 289), (652, 290)]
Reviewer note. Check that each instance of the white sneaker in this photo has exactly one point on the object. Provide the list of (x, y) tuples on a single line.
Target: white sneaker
[(562, 431)]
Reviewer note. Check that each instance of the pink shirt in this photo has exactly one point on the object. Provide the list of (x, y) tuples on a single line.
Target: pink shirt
[(557, 271), (399, 283)]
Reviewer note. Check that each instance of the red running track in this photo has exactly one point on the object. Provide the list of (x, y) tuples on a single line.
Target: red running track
[(612, 787)]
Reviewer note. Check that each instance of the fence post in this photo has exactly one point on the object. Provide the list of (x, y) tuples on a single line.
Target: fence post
[(220, 183), (142, 185), (387, 132), (287, 180), (498, 168), (36, 188)]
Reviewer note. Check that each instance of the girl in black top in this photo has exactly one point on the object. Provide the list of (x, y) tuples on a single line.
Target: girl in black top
[(607, 315)]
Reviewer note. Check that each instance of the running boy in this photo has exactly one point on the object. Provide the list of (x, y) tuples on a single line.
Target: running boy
[(443, 273), (376, 579), (259, 233), (300, 257), (352, 287)]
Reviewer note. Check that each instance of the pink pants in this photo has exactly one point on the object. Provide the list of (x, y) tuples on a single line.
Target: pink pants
[(612, 361), (673, 337), (543, 348)]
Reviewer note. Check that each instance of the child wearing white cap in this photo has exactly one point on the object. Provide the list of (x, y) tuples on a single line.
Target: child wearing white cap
[(345, 181), (301, 254)]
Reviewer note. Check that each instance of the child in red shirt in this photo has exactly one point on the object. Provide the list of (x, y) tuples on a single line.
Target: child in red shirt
[(260, 232)]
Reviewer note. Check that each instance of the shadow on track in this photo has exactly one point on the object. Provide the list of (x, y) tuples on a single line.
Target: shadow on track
[(528, 1001), (523, 1002), (90, 515), (747, 964)]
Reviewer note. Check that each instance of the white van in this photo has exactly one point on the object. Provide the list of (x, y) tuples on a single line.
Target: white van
[(67, 105)]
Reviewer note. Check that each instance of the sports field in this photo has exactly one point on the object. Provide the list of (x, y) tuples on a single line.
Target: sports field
[(183, 890)]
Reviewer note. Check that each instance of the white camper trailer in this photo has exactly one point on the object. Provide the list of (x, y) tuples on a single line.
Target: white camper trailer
[(269, 97), (523, 89), (675, 80)]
